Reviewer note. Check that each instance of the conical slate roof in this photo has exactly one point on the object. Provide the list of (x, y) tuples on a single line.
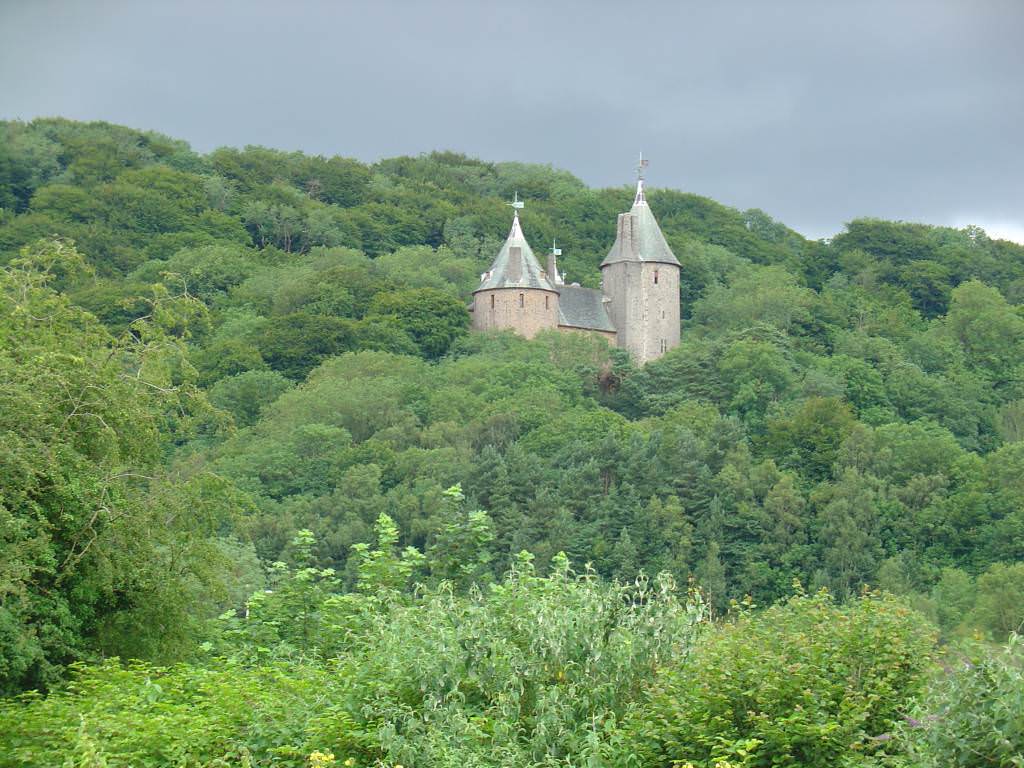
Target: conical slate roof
[(638, 236), (515, 265)]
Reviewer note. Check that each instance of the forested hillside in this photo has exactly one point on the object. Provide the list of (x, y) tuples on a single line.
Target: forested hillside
[(250, 373)]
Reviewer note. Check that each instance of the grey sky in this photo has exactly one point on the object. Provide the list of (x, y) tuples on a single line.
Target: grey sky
[(818, 111)]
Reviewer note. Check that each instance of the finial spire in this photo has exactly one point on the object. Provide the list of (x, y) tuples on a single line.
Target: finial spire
[(516, 204), (640, 199), (640, 181)]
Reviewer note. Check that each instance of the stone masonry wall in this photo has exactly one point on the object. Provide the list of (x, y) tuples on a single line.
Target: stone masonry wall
[(610, 335), (500, 308), (645, 313)]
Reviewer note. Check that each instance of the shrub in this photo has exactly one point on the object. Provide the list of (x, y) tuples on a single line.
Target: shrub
[(973, 714), (140, 716), (805, 683), (537, 670)]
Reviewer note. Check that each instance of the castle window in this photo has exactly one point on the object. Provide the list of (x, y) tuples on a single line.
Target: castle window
[(546, 302), (655, 277), (521, 300), (664, 345), (492, 301)]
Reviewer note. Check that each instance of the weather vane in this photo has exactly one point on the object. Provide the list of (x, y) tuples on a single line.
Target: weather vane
[(640, 168), (516, 203)]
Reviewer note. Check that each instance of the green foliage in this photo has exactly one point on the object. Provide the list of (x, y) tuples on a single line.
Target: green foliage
[(973, 715), (101, 544), (384, 573), (461, 551), (841, 413), (768, 295), (27, 160), (432, 318), (997, 607), (245, 395), (534, 670), (987, 328), (810, 439), (300, 341), (138, 715), (805, 683)]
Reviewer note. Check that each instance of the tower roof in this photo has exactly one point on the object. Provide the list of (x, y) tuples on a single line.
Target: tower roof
[(638, 236), (515, 266)]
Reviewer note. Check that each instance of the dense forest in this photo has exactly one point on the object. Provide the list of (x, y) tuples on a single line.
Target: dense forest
[(264, 500)]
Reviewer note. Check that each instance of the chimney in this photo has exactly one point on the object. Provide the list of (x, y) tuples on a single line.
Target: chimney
[(553, 269), (627, 243), (515, 263)]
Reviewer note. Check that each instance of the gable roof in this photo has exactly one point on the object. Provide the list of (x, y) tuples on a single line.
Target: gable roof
[(515, 266), (638, 236), (580, 307)]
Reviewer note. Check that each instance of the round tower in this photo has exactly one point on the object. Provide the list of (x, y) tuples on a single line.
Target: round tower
[(515, 292), (640, 280)]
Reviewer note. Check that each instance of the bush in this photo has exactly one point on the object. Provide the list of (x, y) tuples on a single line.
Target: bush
[(141, 716), (536, 671), (973, 715), (533, 671), (805, 683)]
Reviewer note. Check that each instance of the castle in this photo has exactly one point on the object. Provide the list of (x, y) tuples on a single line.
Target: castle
[(636, 308)]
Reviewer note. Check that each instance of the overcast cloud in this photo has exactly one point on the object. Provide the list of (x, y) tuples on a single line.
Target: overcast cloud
[(817, 112)]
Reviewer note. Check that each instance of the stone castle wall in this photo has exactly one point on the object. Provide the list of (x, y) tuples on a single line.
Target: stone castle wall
[(645, 312), (527, 311), (610, 335)]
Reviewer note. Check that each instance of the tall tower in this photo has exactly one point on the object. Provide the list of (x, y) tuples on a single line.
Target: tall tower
[(516, 292), (641, 283)]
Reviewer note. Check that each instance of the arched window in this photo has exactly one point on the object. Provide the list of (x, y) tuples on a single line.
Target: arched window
[(521, 300), (492, 301)]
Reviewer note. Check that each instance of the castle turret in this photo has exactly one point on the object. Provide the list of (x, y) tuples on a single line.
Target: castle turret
[(516, 292), (641, 283)]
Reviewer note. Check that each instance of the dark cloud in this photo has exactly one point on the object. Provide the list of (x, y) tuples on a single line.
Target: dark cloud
[(817, 112)]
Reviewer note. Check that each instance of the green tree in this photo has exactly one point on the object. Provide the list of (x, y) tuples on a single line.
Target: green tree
[(461, 550), (805, 682), (432, 318), (954, 595), (973, 715), (848, 516), (808, 439), (294, 344), (89, 518), (999, 605), (987, 328), (710, 575), (385, 571), (245, 395)]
